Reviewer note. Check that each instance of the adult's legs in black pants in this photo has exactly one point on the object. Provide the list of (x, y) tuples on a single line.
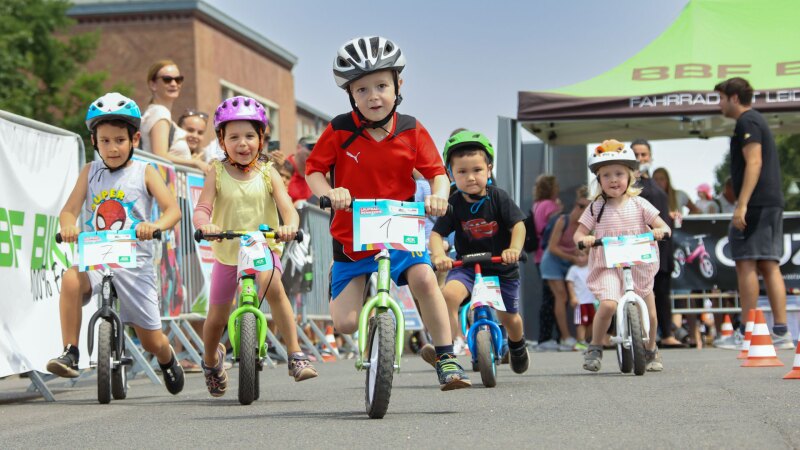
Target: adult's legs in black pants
[(661, 288), (547, 317)]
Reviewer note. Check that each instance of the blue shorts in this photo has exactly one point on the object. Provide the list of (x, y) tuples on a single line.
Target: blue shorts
[(509, 289), (553, 268), (343, 272)]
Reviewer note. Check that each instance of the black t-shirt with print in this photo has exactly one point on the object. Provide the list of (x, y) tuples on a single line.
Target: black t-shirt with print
[(487, 230), (752, 127)]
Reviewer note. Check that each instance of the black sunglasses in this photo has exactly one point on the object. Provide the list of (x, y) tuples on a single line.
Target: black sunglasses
[(168, 79)]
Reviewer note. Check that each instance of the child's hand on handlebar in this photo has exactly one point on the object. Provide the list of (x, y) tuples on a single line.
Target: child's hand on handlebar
[(210, 228), (286, 233), (70, 233), (588, 241), (435, 206), (145, 230), (340, 199), (510, 255), (442, 262), (660, 233)]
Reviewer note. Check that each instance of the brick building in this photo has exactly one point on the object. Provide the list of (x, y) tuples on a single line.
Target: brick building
[(218, 56)]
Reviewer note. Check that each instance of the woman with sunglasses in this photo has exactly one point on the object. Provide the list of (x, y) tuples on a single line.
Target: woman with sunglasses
[(160, 135)]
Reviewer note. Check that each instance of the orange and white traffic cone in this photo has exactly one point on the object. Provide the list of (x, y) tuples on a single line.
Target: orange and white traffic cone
[(727, 327), (761, 352), (331, 352), (794, 374), (748, 333)]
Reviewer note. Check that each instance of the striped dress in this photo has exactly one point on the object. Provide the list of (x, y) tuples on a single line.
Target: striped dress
[(632, 217)]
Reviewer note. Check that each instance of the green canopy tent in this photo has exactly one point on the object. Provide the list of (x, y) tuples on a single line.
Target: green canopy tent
[(665, 91)]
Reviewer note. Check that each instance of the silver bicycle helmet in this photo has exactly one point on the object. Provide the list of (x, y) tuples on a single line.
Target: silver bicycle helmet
[(364, 55)]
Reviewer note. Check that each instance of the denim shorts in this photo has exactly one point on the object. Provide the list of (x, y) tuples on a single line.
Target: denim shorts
[(553, 267), (509, 289), (762, 239)]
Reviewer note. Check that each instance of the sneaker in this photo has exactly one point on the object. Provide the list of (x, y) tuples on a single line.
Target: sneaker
[(451, 374), (300, 367), (567, 345), (65, 365), (782, 342), (581, 346), (593, 358), (519, 359), (216, 377), (726, 342), (459, 346), (653, 361), (548, 346), (738, 340), (173, 375), (428, 354)]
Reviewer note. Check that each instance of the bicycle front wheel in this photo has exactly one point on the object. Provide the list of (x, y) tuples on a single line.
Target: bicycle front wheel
[(381, 351), (637, 337), (248, 355), (104, 362), (487, 361), (119, 374)]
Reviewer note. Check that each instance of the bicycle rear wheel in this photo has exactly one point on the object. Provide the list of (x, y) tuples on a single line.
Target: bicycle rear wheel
[(248, 354), (380, 373), (637, 337), (487, 361), (104, 362)]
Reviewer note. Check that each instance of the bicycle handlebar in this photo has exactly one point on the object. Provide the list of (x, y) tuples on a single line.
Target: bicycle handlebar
[(599, 242), (485, 257), (232, 234), (156, 236), (325, 203)]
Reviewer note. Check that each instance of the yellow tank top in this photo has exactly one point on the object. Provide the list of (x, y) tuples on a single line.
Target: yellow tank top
[(243, 205)]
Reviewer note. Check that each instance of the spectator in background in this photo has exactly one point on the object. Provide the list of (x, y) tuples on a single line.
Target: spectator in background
[(727, 199), (194, 123), (756, 232), (662, 283), (545, 205), (286, 170), (298, 188), (160, 135), (706, 203), (677, 199)]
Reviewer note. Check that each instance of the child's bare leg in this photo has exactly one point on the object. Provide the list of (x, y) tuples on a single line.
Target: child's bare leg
[(280, 307), (74, 286), (347, 305), (423, 285), (650, 300), (602, 320), (155, 342), (513, 325), (212, 331), (454, 294), (580, 333)]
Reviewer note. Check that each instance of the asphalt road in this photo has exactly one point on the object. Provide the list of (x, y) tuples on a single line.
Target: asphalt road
[(702, 399)]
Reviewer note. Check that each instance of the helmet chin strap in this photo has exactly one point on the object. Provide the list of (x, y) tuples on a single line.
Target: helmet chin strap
[(479, 199), (252, 163)]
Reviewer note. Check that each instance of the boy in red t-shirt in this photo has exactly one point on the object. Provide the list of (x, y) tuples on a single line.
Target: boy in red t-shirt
[(371, 152)]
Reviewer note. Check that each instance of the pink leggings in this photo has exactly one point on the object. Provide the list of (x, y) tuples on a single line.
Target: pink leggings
[(225, 281)]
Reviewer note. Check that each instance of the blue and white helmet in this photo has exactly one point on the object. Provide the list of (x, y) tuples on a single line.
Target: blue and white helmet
[(113, 106)]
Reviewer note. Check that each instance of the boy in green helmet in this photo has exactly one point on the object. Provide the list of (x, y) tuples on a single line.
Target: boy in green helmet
[(484, 219)]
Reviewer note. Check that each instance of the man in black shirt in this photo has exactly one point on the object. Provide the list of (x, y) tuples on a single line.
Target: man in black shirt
[(662, 285), (756, 232)]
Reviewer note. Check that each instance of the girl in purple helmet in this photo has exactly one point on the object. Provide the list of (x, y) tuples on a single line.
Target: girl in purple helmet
[(242, 192)]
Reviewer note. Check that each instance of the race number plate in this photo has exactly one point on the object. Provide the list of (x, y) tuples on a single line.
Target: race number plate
[(487, 293), (106, 250), (388, 224), (254, 254), (632, 250)]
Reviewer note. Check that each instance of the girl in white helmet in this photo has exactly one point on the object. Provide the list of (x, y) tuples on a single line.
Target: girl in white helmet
[(616, 211)]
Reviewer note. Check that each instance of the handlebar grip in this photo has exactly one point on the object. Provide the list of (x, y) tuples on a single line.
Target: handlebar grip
[(157, 235), (324, 202), (597, 243), (58, 238), (300, 235)]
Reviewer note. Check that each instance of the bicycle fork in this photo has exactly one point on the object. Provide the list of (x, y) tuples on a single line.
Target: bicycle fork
[(249, 300), (623, 334), (483, 317), (381, 303), (106, 312)]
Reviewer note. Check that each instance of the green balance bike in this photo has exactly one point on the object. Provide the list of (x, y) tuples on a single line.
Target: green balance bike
[(247, 325)]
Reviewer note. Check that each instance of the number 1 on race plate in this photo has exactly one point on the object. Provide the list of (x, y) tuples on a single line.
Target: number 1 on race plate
[(106, 250), (388, 224), (254, 254), (630, 250)]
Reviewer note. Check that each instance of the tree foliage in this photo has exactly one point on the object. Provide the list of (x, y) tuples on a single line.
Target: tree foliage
[(789, 156), (42, 67)]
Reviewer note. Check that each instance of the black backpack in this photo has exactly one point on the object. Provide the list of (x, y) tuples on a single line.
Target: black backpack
[(531, 238), (548, 229)]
